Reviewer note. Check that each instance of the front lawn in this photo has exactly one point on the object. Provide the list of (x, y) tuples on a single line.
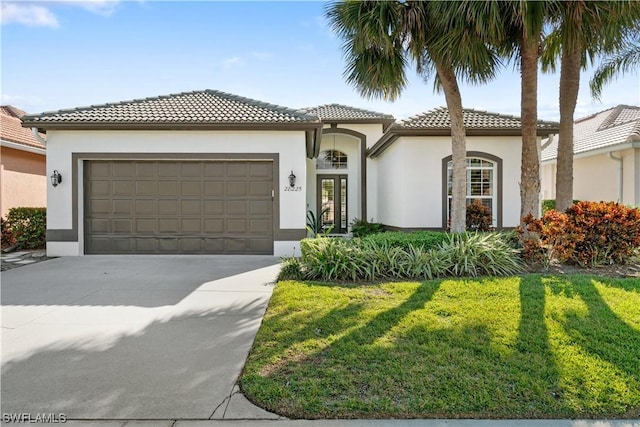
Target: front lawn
[(518, 347)]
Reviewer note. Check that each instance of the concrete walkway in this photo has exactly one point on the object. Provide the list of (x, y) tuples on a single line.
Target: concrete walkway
[(132, 337)]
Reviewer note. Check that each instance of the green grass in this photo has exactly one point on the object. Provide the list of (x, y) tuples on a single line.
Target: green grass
[(520, 347)]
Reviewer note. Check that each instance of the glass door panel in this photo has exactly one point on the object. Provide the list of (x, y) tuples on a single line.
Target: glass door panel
[(332, 202)]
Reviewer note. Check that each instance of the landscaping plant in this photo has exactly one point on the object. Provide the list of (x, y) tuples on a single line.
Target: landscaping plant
[(28, 226), (587, 234), (478, 217), (362, 227)]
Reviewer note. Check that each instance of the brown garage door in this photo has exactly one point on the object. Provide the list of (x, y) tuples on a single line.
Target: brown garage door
[(171, 207)]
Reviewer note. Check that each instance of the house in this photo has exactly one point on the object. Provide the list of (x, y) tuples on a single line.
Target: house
[(606, 157), (212, 172), (22, 163)]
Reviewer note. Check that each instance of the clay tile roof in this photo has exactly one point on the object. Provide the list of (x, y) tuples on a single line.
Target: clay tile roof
[(11, 129), (607, 128), (473, 120), (198, 107), (338, 112)]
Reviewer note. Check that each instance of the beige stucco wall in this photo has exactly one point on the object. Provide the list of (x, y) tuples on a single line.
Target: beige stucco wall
[(410, 179), (596, 177), (23, 181), (61, 145)]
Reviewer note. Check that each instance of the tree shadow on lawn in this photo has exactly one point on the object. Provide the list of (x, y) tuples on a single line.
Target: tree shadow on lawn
[(602, 332)]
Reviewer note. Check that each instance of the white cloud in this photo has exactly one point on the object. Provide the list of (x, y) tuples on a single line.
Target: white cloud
[(27, 14), (231, 62), (261, 55), (38, 13)]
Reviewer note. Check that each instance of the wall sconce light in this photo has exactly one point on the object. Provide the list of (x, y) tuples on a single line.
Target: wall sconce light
[(56, 178), (292, 179)]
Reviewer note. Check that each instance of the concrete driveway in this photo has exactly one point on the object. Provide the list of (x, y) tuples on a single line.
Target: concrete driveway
[(132, 337)]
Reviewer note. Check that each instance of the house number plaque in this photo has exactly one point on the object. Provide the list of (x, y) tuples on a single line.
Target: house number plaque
[(295, 188)]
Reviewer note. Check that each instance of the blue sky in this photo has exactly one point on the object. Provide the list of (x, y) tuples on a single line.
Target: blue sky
[(65, 54)]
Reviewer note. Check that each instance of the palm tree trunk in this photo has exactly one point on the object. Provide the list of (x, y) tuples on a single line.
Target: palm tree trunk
[(569, 86), (530, 162), (458, 147)]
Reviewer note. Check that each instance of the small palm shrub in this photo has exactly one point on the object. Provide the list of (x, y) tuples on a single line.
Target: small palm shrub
[(470, 254), (478, 254)]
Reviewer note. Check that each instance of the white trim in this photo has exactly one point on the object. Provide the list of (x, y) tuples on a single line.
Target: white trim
[(22, 147)]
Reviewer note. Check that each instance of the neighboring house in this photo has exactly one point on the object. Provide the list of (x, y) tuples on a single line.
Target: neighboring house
[(23, 181), (211, 172), (606, 157)]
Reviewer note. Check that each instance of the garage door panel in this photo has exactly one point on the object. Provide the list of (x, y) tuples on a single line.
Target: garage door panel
[(168, 207), (145, 226), (123, 207), (146, 169), (168, 188), (191, 207), (100, 188), (146, 207), (236, 188), (168, 169), (214, 188), (147, 188), (168, 225), (214, 207), (179, 207), (260, 189), (123, 188), (215, 170), (122, 226), (123, 170), (100, 206)]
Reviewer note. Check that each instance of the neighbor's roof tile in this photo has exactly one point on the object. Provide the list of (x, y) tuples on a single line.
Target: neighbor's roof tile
[(11, 128), (600, 130), (337, 112), (202, 107), (473, 119)]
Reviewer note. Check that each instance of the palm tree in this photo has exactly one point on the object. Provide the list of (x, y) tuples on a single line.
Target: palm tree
[(625, 61), (381, 39), (582, 30)]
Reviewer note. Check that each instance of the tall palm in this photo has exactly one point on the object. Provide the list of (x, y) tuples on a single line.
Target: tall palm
[(523, 23), (624, 61), (381, 39), (582, 30)]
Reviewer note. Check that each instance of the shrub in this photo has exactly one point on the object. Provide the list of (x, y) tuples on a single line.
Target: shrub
[(611, 232), (362, 227), (588, 233), (8, 238), (290, 269), (475, 254), (419, 239), (478, 217), (29, 226), (470, 254)]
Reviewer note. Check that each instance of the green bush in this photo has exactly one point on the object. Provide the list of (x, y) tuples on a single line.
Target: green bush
[(290, 269), (477, 254), (28, 226), (419, 239), (368, 259), (362, 227)]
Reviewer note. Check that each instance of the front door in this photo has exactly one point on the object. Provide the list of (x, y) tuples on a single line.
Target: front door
[(332, 202)]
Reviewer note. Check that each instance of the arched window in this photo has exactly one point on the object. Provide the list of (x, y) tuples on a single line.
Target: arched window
[(331, 159), (481, 184)]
